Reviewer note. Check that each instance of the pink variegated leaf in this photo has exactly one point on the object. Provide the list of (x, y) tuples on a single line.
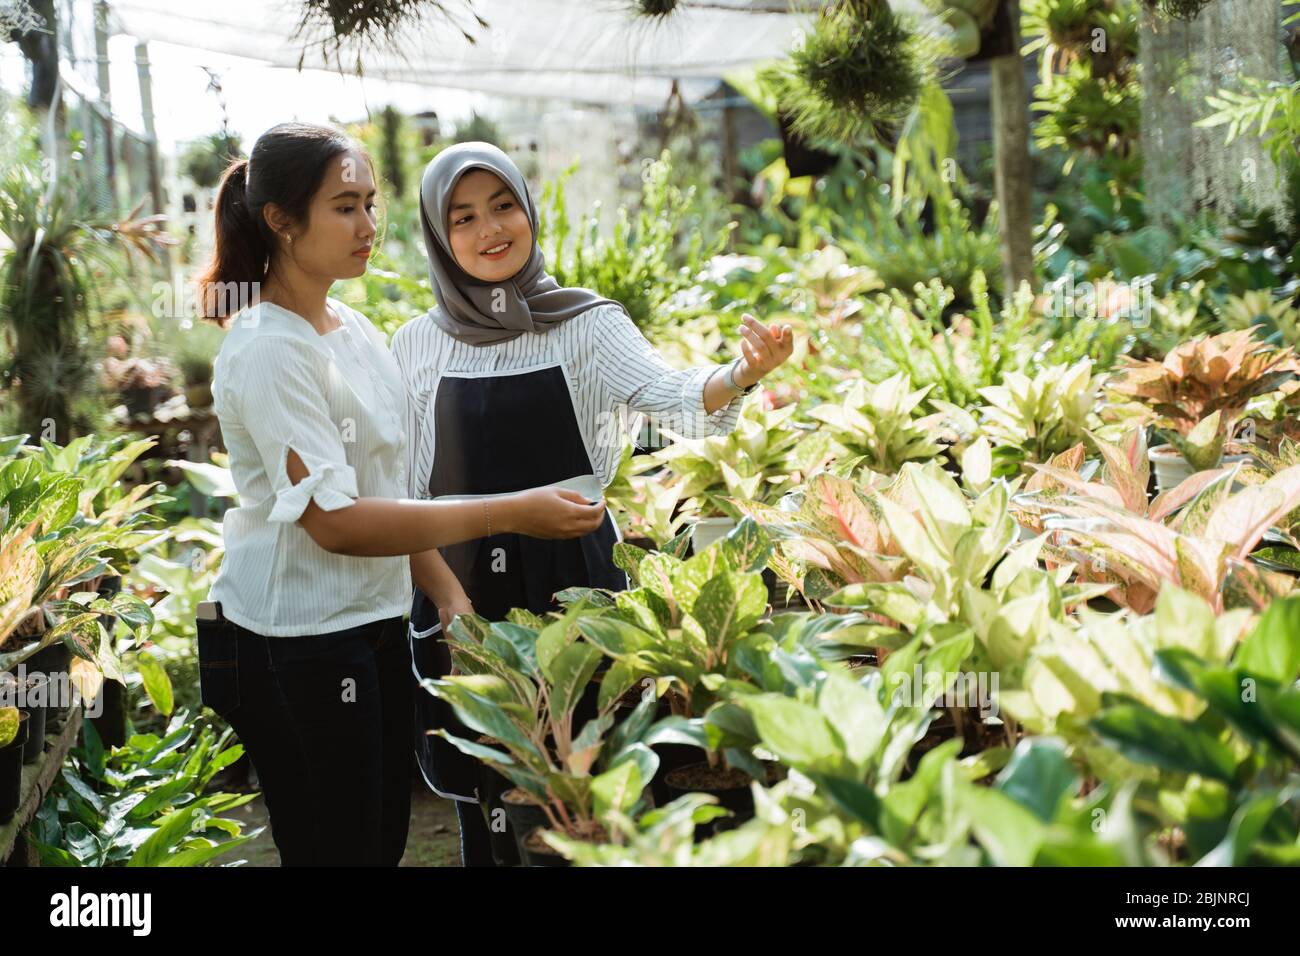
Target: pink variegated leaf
[(1200, 567), (1146, 560), (1167, 502), (1089, 489), (1070, 460), (1151, 533), (1243, 518), (1248, 585), (1121, 473)]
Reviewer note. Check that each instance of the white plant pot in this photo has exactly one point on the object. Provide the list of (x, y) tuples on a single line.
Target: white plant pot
[(705, 531), (1172, 468)]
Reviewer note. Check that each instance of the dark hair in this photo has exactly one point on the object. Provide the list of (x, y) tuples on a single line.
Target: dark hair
[(285, 167)]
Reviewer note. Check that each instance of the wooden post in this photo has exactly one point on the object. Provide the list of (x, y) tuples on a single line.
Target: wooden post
[(151, 136), (1013, 171), (106, 100)]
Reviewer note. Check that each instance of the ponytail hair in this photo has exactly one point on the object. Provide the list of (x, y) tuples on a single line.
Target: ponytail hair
[(241, 251), (285, 167)]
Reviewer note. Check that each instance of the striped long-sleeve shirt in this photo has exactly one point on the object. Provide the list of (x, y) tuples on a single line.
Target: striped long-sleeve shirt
[(610, 367)]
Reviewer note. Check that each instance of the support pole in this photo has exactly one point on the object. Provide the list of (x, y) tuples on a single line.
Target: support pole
[(106, 99)]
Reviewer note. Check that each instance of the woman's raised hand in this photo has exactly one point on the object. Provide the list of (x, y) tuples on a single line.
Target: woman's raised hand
[(549, 513), (764, 349)]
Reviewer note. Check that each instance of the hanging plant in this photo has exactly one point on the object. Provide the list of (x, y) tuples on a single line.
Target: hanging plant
[(1178, 9), (859, 72), (375, 23), (654, 9)]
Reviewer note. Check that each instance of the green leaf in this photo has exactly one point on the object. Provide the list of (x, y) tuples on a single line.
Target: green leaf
[(628, 557), (156, 682), (1244, 831), (850, 796), (798, 734), (1146, 737), (133, 611), (748, 545), (855, 713), (1226, 691), (617, 789), (485, 715), (1272, 649), (729, 605), (893, 600), (1009, 831), (1203, 446), (1039, 776), (571, 671), (613, 636), (9, 722)]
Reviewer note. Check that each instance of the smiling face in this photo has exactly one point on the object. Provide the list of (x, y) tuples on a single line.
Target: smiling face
[(334, 241), (490, 236)]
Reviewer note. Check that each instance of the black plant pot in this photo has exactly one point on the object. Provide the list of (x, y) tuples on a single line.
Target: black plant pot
[(37, 684), (524, 815), (537, 853), (54, 662), (671, 757), (111, 723), (731, 787), (11, 771), (491, 785)]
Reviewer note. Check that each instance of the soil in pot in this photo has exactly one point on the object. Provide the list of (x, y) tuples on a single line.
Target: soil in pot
[(525, 815), (730, 786), (536, 852), (11, 771)]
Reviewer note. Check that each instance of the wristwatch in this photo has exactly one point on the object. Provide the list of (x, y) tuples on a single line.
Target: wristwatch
[(731, 382)]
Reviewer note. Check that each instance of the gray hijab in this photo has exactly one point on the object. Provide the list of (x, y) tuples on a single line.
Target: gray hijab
[(469, 309)]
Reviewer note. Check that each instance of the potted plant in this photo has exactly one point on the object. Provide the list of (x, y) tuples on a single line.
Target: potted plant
[(1198, 537), (29, 692), (689, 626), (880, 424), (1031, 419), (13, 738), (521, 687), (766, 455), (65, 522), (1198, 394)]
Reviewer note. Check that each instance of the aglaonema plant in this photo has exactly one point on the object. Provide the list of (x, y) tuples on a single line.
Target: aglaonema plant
[(65, 521), (683, 620), (521, 687), (1227, 779), (848, 735), (1199, 536), (963, 563)]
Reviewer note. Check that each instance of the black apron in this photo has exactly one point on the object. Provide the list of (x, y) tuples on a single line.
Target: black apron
[(496, 434)]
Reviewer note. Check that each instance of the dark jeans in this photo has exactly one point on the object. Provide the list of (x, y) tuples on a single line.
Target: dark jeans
[(326, 720)]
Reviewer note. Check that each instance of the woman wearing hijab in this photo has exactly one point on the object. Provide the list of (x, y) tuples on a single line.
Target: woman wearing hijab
[(515, 382)]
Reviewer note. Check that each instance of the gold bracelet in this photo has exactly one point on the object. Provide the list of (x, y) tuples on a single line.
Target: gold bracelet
[(488, 514)]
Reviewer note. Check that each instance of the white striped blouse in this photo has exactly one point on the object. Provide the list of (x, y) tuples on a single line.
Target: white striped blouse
[(337, 400), (610, 366)]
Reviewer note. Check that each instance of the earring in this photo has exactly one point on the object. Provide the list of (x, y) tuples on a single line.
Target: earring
[(288, 237)]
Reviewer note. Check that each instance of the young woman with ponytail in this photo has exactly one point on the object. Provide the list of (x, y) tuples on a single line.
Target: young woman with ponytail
[(302, 646)]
